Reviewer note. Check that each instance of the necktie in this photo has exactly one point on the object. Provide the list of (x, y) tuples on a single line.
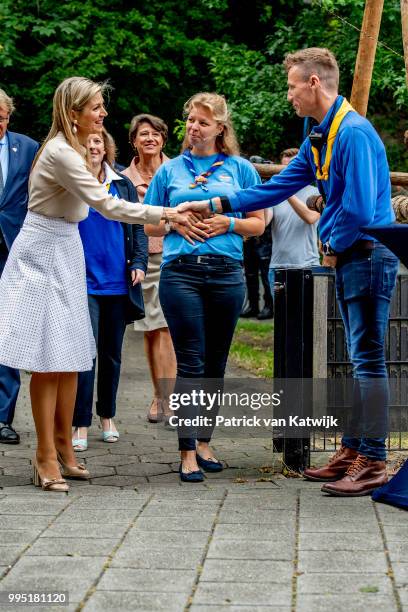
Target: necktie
[(1, 178)]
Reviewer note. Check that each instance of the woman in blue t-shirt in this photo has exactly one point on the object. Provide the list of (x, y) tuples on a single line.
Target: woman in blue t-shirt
[(201, 285), (116, 262)]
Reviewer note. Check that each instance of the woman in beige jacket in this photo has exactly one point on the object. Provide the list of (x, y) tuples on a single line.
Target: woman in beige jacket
[(44, 319)]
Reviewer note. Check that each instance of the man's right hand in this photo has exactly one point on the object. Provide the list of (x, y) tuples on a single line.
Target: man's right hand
[(202, 207)]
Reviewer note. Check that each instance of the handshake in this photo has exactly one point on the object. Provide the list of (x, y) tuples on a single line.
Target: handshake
[(195, 221)]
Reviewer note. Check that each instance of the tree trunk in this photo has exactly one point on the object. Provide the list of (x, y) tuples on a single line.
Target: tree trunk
[(404, 20), (366, 55)]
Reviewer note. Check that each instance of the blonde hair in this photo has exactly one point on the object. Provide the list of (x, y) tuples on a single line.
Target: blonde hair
[(315, 60), (71, 95), (226, 142), (6, 101)]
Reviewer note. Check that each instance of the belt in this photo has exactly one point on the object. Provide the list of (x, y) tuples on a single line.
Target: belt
[(362, 247), (205, 259)]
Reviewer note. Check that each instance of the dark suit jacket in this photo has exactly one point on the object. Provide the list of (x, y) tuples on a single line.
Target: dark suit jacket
[(13, 202), (136, 250)]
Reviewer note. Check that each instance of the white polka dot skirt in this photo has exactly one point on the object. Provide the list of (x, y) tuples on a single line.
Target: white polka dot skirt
[(44, 317)]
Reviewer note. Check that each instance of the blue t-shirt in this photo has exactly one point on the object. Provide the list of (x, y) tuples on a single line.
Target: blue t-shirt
[(170, 187), (104, 248)]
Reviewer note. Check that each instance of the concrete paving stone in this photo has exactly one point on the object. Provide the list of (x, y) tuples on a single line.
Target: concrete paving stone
[(394, 518), (403, 596), (207, 608), (73, 547), (13, 461), (97, 471), (112, 601), (400, 571), (111, 460), (172, 477), (165, 507), (25, 471), (143, 469), (84, 530), (168, 581), (338, 603), (122, 449), (321, 584), (19, 536), (161, 539), (10, 553), (176, 557), (94, 490), (135, 502), (335, 542), (214, 492), (396, 533), (13, 481), (243, 504), (254, 532), (335, 524), (18, 506), (257, 517), (73, 574), (398, 552), (218, 570), (119, 481), (159, 457), (243, 594), (350, 562), (21, 522), (278, 550), (175, 523), (97, 515)]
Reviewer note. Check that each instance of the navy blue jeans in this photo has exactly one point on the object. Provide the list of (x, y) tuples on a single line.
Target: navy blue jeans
[(107, 314), (364, 287), (202, 303)]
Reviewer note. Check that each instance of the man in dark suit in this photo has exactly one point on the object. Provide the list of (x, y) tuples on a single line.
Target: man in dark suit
[(16, 156)]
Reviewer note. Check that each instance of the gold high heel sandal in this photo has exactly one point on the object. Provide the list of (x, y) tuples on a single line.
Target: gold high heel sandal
[(78, 472), (48, 484)]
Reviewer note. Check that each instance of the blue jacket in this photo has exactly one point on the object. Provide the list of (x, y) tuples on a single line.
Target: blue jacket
[(13, 202), (136, 250), (358, 191)]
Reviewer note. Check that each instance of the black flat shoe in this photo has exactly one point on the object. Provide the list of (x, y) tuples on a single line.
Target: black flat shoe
[(209, 465), (266, 313), (196, 476), (8, 435)]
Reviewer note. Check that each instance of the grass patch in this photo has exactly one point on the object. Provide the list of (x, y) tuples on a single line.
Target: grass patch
[(252, 347)]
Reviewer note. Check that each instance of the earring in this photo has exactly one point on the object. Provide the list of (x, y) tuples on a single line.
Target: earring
[(74, 128)]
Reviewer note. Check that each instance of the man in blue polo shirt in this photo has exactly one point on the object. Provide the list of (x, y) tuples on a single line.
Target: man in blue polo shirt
[(347, 157)]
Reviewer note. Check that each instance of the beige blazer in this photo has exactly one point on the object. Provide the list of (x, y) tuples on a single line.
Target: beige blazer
[(61, 186)]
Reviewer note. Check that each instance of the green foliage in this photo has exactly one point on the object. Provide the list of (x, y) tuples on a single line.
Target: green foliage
[(157, 54)]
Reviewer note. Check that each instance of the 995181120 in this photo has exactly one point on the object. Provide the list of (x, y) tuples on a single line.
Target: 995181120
[(34, 598)]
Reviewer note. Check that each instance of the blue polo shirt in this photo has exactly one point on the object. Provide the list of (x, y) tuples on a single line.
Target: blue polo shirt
[(104, 248), (171, 186), (358, 190)]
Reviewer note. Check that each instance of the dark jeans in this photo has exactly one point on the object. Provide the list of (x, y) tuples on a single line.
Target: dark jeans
[(9, 377), (202, 303), (108, 324), (364, 287)]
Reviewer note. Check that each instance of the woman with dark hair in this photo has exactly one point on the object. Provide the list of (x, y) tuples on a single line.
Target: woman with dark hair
[(201, 286), (116, 261), (148, 136)]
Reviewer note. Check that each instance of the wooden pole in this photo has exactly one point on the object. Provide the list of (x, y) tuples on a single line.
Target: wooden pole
[(404, 21), (366, 55)]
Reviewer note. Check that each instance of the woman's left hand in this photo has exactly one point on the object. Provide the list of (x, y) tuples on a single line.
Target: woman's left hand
[(217, 225), (137, 276)]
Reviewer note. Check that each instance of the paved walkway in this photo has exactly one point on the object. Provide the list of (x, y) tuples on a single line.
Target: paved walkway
[(135, 538)]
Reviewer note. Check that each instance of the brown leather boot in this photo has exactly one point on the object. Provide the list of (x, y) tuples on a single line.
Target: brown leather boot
[(335, 469), (362, 477)]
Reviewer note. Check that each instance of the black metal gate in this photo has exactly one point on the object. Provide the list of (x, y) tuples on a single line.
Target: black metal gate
[(295, 355)]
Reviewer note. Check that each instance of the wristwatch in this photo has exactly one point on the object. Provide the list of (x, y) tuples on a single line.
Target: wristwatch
[(327, 250)]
